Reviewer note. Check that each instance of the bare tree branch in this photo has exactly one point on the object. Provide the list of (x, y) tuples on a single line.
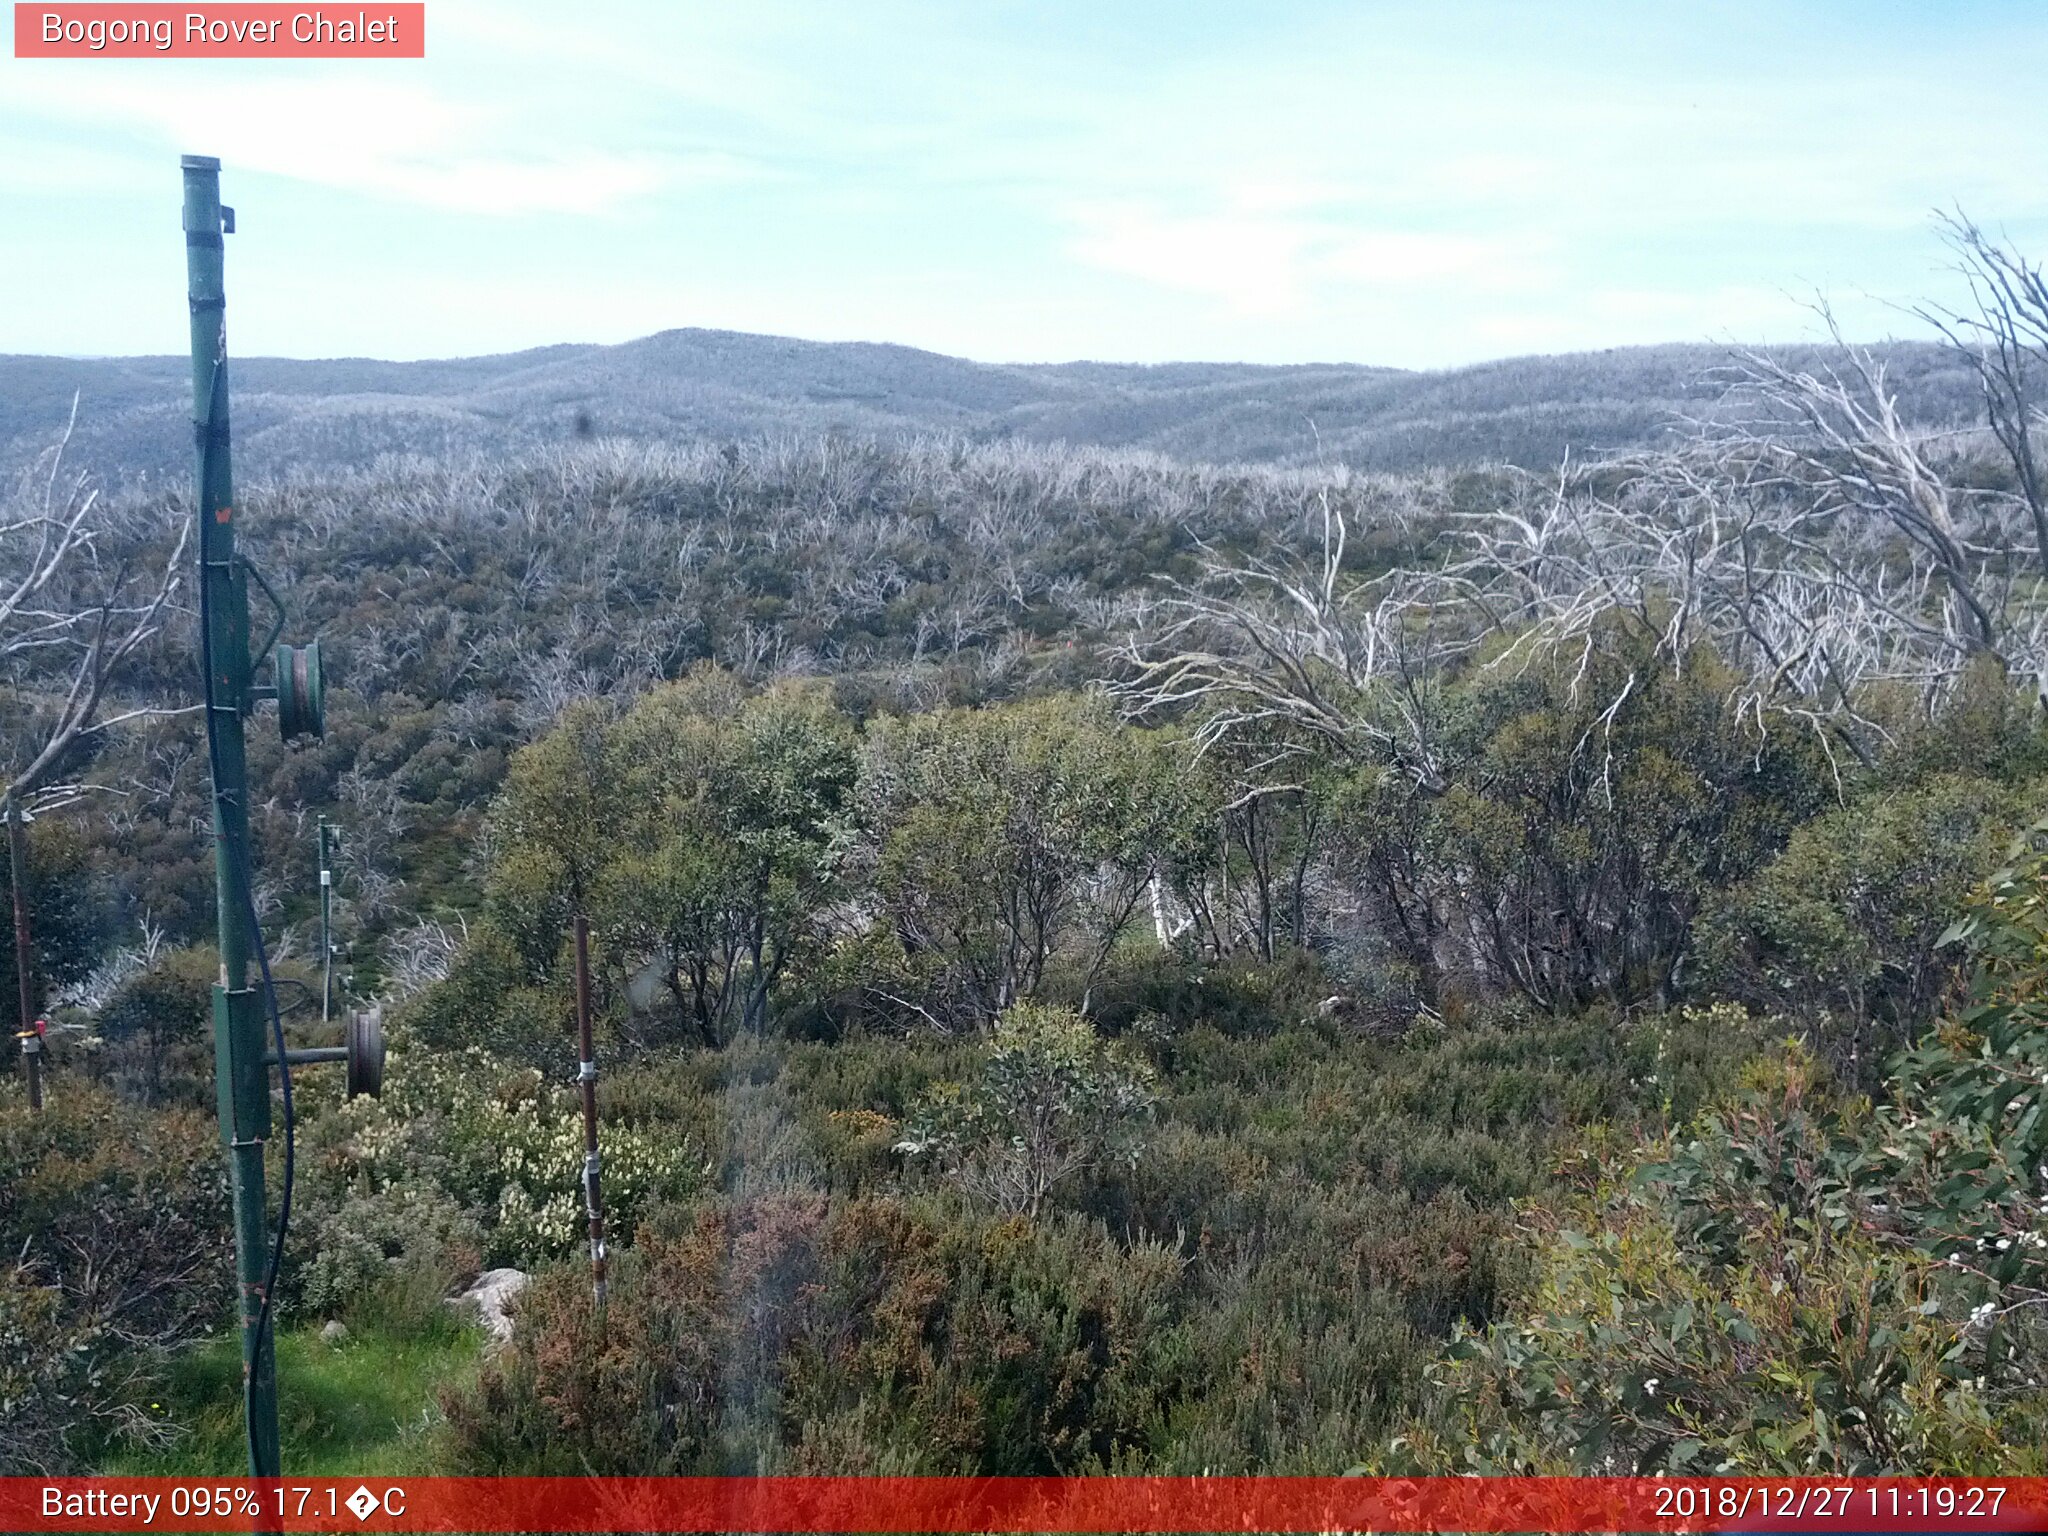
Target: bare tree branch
[(67, 623)]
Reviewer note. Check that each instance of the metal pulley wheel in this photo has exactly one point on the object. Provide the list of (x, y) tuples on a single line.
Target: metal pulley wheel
[(364, 1040), (301, 691)]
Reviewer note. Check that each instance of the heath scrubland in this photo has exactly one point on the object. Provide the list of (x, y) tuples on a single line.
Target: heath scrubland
[(1102, 963)]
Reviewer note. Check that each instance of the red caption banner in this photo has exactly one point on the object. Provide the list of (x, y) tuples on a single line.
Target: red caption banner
[(1117, 1506), (115, 31)]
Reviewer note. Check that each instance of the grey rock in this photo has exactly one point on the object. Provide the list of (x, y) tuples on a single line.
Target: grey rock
[(491, 1299)]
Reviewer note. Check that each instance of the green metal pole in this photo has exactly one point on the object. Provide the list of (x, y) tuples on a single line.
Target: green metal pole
[(242, 1080)]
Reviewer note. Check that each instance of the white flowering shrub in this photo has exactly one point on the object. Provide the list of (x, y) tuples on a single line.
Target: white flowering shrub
[(508, 1147)]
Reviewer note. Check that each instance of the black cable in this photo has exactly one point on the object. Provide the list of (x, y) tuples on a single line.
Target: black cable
[(240, 853), (265, 1311)]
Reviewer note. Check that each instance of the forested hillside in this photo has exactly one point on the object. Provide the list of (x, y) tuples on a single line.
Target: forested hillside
[(711, 386), (1104, 961)]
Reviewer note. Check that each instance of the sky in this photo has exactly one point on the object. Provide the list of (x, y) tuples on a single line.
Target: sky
[(1272, 181)]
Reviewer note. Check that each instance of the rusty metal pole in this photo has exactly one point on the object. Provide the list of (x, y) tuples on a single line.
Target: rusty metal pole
[(24, 958), (586, 1076), (326, 931)]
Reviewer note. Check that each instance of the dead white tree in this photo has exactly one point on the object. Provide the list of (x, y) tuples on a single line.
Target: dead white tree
[(71, 614), (2004, 339), (1293, 649), (1848, 457), (1810, 533), (417, 956)]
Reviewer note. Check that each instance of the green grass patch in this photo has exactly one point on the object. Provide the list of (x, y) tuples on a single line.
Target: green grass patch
[(367, 1404)]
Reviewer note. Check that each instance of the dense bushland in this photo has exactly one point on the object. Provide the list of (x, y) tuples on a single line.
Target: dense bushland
[(1803, 1281), (464, 604), (1321, 1031), (1330, 1035), (759, 857)]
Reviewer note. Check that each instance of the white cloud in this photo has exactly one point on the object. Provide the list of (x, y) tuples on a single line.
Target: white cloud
[(1266, 263), (1406, 258), (1404, 182), (1251, 261), (395, 139)]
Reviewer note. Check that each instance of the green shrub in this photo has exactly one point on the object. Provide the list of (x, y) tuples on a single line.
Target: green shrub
[(1004, 836), (158, 1028), (702, 832), (1052, 1100), (1719, 1311), (1990, 727), (792, 1333), (1594, 803), (70, 916), (1238, 995), (114, 1222), (382, 1247), (490, 1002), (1314, 1210), (1843, 927), (1801, 1284)]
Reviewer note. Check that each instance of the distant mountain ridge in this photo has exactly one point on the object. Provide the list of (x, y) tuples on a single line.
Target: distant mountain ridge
[(695, 384)]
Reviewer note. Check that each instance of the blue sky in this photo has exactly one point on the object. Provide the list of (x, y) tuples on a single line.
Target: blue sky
[(1411, 184)]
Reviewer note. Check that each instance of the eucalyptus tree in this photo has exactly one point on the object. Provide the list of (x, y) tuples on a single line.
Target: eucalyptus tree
[(726, 858), (701, 832), (1006, 836)]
